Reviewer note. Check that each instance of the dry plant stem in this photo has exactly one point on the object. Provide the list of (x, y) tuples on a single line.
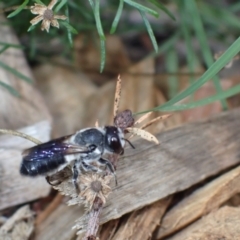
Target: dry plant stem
[(117, 96), (141, 119), (154, 120), (19, 134), (49, 209), (93, 222)]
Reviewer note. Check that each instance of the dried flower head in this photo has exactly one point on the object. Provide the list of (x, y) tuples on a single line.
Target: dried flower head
[(46, 15), (95, 186)]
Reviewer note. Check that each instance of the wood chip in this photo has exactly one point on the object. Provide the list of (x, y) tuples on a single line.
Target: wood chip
[(142, 223), (20, 226), (221, 224), (201, 202), (15, 188)]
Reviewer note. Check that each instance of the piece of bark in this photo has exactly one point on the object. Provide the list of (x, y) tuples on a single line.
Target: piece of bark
[(200, 202), (221, 224), (186, 156), (142, 223), (14, 188), (29, 108), (20, 226), (65, 91)]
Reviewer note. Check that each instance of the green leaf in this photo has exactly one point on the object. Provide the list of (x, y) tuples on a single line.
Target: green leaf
[(163, 8), (39, 2), (69, 27), (10, 89), (191, 7), (223, 95), (150, 31), (4, 49), (117, 17), (210, 73), (60, 5), (31, 28), (91, 4), (142, 8), (172, 68), (19, 9), (15, 72), (11, 45), (103, 54), (98, 20)]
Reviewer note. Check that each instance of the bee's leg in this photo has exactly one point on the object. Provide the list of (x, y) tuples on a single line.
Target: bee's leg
[(110, 167), (75, 170), (88, 168)]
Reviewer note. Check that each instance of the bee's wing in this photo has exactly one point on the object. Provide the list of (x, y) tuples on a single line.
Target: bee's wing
[(53, 149), (49, 156)]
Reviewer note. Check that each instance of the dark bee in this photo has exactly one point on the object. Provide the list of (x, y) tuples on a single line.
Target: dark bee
[(83, 150)]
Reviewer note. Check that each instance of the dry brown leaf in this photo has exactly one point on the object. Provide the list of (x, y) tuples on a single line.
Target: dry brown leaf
[(143, 134)]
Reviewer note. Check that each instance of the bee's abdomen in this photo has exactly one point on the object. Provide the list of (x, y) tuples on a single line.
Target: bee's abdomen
[(40, 167)]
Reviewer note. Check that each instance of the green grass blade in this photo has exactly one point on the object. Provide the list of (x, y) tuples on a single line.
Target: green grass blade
[(15, 72), (172, 68), (60, 5), (98, 20), (117, 17), (210, 73), (223, 95), (91, 4), (150, 31), (200, 32), (10, 89), (142, 8), (11, 45), (4, 49), (19, 9), (31, 28), (69, 27), (163, 8), (103, 55), (39, 2), (166, 46)]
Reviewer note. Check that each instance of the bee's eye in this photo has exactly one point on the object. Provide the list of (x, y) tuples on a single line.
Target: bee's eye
[(115, 145)]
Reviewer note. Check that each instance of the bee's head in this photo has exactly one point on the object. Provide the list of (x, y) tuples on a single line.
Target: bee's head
[(114, 140)]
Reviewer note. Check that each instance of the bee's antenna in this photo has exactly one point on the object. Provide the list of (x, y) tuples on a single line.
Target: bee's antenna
[(129, 142)]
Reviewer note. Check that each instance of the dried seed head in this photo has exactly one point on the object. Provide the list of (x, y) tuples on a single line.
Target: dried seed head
[(94, 187), (124, 119), (48, 15)]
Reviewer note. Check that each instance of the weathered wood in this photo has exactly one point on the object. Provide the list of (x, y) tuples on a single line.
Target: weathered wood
[(201, 202), (221, 224), (142, 223), (14, 188), (186, 156)]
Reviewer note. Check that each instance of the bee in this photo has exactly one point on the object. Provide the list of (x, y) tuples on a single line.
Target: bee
[(84, 151)]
